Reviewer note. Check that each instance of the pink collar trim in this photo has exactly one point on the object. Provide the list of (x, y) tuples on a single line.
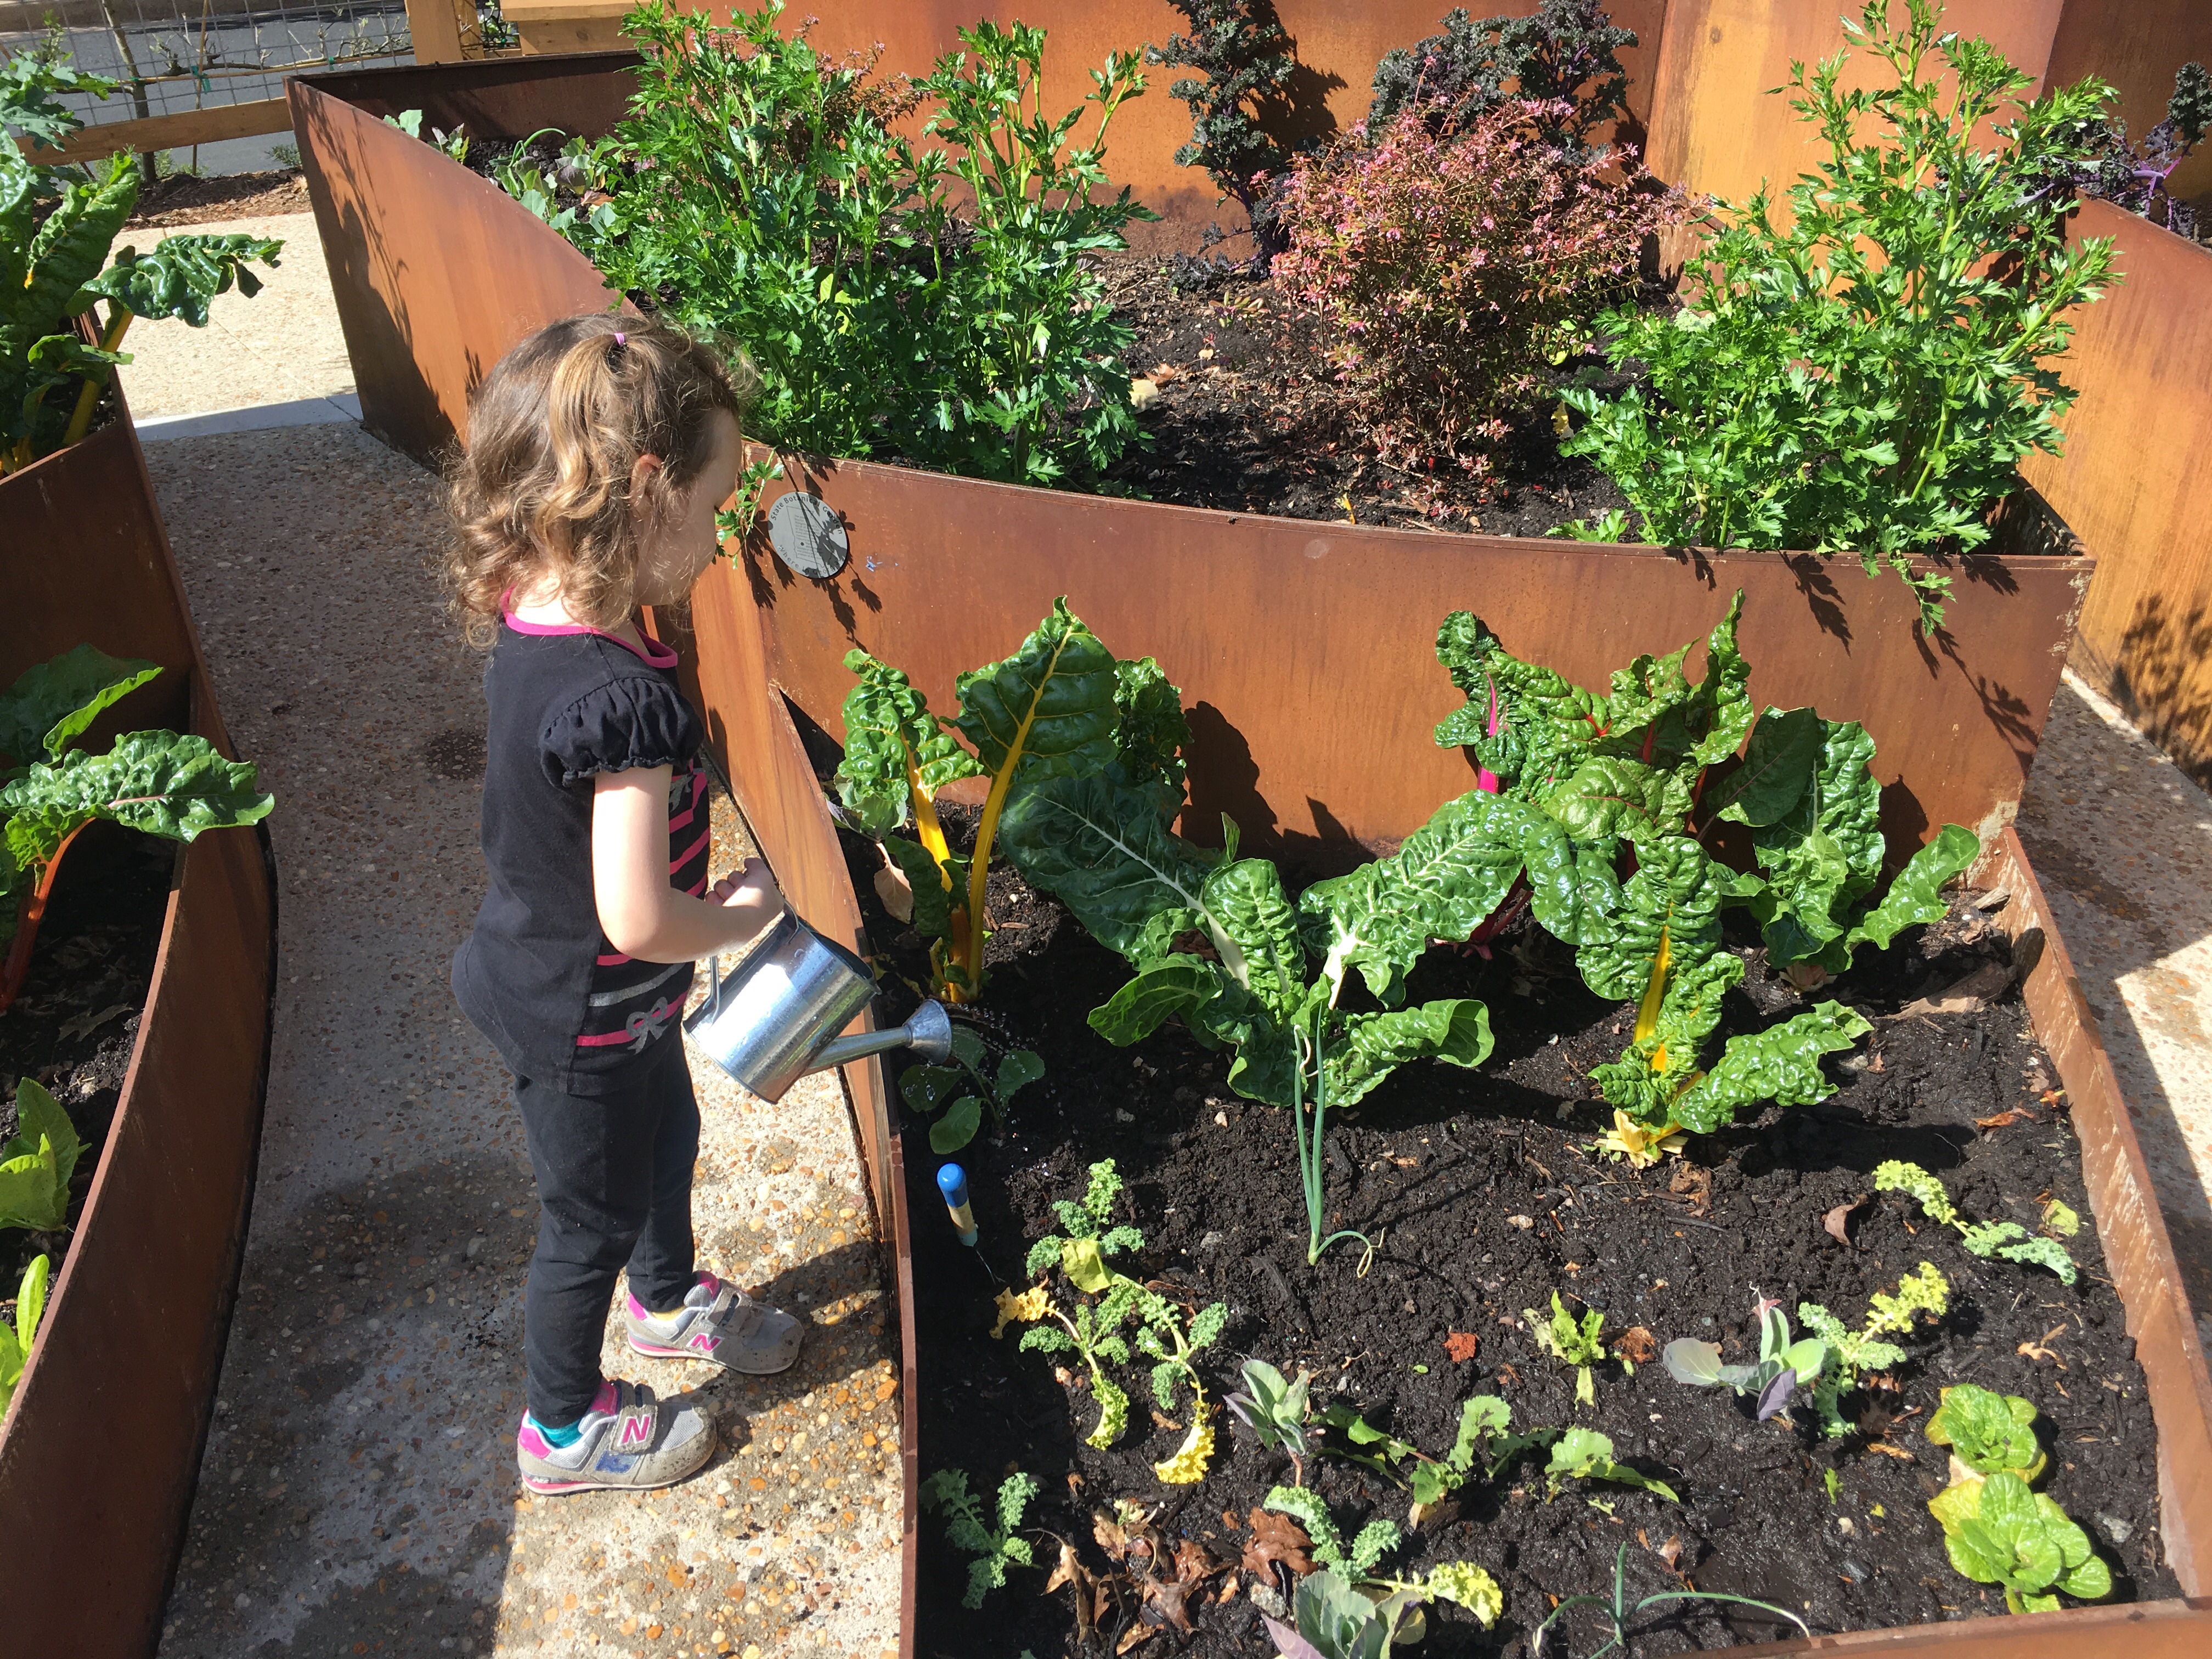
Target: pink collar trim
[(653, 651)]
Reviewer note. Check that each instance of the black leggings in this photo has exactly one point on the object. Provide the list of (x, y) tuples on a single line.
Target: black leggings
[(614, 1191)]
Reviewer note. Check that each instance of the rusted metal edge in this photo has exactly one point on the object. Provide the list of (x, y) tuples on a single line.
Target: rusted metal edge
[(159, 1242)]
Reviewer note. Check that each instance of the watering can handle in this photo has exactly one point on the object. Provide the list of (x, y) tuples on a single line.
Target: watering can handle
[(714, 983)]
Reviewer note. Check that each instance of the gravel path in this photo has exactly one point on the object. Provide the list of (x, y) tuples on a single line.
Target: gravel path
[(358, 1493)]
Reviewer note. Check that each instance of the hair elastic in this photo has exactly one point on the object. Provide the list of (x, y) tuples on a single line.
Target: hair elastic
[(622, 339)]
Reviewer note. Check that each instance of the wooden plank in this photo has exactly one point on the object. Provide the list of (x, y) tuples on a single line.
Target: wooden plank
[(179, 131), (435, 28)]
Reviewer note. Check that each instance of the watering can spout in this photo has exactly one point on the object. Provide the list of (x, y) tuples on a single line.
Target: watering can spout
[(776, 1016)]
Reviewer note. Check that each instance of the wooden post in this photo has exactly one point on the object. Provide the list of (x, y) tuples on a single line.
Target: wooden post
[(436, 30)]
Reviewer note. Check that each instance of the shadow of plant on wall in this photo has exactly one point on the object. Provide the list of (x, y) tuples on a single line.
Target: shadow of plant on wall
[(2159, 682)]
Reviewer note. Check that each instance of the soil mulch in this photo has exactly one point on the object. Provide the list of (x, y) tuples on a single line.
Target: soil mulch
[(1483, 1197), (75, 1022), (184, 198), (1251, 418)]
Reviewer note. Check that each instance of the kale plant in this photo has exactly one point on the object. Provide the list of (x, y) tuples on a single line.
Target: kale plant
[(1346, 1610), (1851, 1354), (1240, 48), (1865, 377), (1784, 1365), (992, 1545), (1474, 67), (2134, 176), (2007, 1239)]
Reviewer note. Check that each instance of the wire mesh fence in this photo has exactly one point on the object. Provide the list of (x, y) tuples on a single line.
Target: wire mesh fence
[(168, 56)]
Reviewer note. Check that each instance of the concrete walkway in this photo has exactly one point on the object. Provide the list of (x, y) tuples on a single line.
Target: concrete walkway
[(359, 1493)]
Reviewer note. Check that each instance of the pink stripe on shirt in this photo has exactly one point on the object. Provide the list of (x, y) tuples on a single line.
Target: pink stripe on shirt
[(689, 853)]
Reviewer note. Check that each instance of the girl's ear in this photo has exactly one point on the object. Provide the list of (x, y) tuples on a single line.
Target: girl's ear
[(644, 478)]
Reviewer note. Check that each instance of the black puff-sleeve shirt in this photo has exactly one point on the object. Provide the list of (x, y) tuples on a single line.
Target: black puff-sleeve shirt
[(537, 976)]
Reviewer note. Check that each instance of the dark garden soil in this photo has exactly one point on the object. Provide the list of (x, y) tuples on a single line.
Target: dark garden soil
[(185, 199), (75, 1022), (1482, 1198), (1251, 418)]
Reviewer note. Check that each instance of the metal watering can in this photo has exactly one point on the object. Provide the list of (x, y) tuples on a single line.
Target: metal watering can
[(776, 1017)]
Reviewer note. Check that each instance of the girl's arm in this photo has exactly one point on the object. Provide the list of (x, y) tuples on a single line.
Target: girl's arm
[(640, 914)]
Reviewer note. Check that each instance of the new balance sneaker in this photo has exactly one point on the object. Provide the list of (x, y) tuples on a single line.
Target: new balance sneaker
[(719, 1324), (630, 1440)]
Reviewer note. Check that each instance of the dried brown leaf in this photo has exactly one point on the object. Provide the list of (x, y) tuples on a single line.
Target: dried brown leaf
[(1888, 1450), (1694, 1184), (1837, 1222), (1636, 1345), (1276, 1538), (1134, 1635), (1670, 1553), (1460, 1345)]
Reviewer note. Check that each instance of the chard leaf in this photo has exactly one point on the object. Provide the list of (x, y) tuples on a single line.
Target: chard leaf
[(69, 247), (1442, 883), (182, 274), (1267, 1059), (891, 742), (1607, 796), (1671, 902), (1915, 895), (1781, 1064), (1655, 714), (53, 702), (1049, 710), (1779, 764), (1824, 854), (159, 782), (1372, 1046), (1572, 890), (1103, 852), (1171, 987), (932, 889), (1152, 732), (1658, 1065), (1545, 721), (1246, 898)]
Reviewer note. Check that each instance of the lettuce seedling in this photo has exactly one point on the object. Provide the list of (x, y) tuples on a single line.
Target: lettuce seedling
[(993, 1546), (158, 783), (1060, 707), (1988, 1433), (16, 1339), (968, 1086), (1851, 1354), (37, 1161), (1586, 1455), (1276, 1412), (1569, 1343), (2007, 1239), (1783, 1366), (2023, 1541)]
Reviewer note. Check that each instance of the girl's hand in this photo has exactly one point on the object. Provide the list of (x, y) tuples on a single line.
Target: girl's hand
[(752, 887)]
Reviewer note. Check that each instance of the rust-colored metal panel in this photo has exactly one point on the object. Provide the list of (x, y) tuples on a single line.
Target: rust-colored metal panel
[(2138, 44), (1306, 649), (435, 271), (2138, 1250), (129, 1352), (2136, 478), (1337, 47), (1715, 132), (494, 98)]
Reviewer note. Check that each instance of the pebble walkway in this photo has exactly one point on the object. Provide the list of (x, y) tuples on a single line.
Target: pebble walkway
[(358, 1493)]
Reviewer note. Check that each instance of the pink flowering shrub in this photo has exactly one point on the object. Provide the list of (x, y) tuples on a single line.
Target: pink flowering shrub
[(1458, 269)]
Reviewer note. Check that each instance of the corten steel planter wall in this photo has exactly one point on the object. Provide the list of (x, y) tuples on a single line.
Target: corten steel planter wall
[(2136, 482), (1298, 643), (101, 1447)]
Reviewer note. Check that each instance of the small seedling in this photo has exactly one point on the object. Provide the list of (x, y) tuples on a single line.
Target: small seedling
[(1571, 1343), (2006, 1534), (1586, 1455), (992, 1548), (1276, 1412), (1340, 1616), (2007, 1239), (1081, 1253), (1834, 1483), (1618, 1611), (1851, 1354), (968, 1088), (37, 1162), (1172, 1342), (1093, 1330), (1784, 1365), (1988, 1434), (15, 1340)]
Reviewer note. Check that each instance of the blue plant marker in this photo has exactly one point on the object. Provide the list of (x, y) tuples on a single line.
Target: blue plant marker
[(952, 1182)]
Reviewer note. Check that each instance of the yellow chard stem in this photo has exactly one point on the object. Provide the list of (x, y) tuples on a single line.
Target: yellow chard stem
[(987, 831), (1647, 1011), (88, 399), (932, 834)]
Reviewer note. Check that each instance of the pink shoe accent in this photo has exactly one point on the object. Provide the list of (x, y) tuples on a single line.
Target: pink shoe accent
[(637, 1310), (637, 1431), (705, 1341), (527, 1437)]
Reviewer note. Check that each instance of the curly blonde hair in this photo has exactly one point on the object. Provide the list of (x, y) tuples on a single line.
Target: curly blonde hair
[(555, 431)]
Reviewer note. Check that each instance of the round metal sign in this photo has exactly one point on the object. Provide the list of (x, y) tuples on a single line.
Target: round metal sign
[(807, 536)]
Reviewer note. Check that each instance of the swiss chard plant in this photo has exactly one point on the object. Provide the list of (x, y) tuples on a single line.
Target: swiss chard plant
[(16, 1337), (2006, 1239), (1586, 1455), (1571, 1342), (162, 783), (1862, 374), (993, 1542), (1784, 1365), (57, 226), (1347, 1609), (1062, 707), (964, 1088), (1851, 1355), (37, 1162)]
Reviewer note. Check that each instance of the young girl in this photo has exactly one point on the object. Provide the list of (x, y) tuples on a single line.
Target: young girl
[(599, 451)]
